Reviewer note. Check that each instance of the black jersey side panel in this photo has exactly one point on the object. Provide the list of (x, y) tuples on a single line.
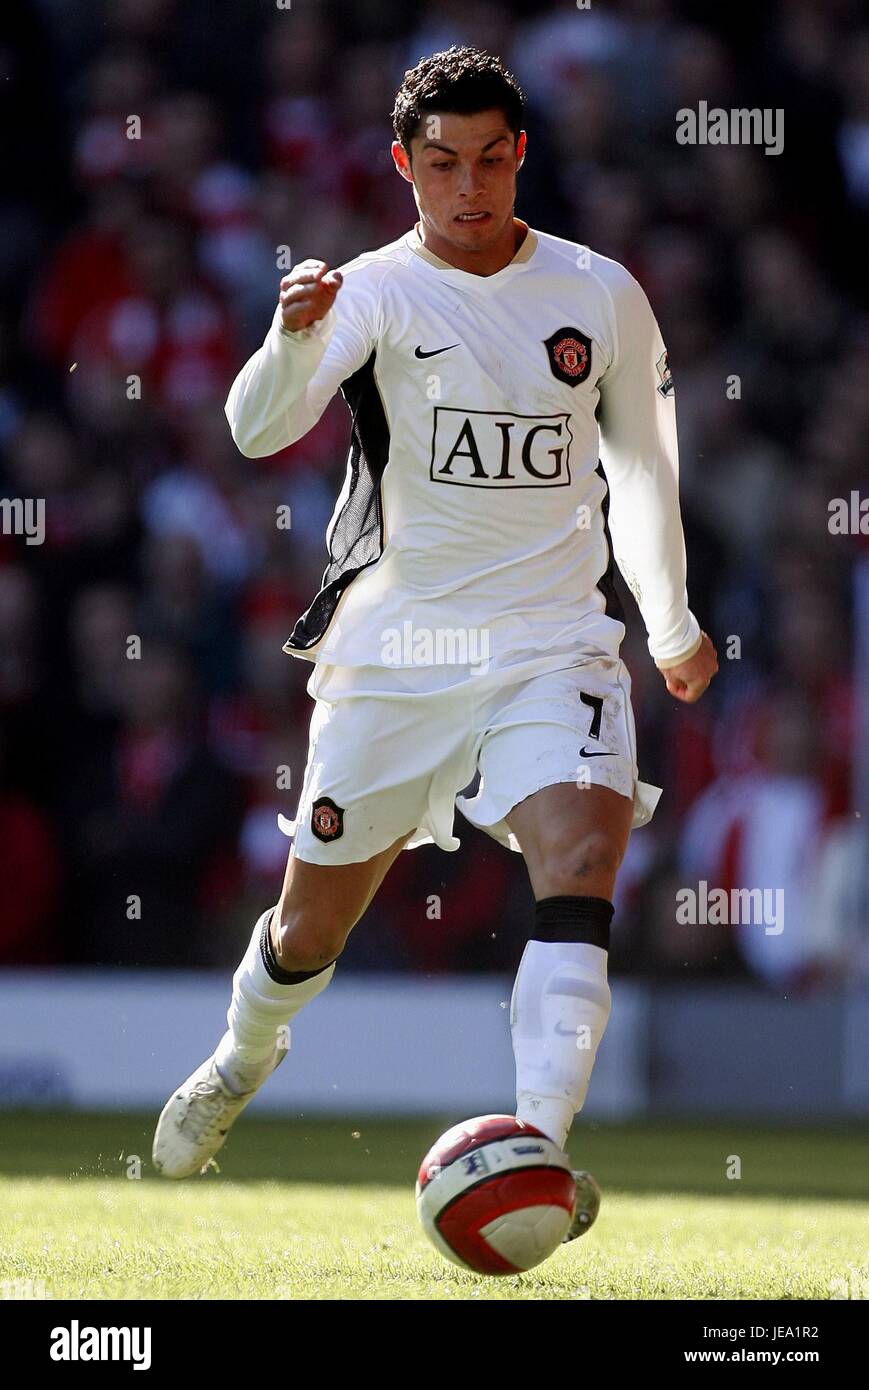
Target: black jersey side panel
[(357, 536), (606, 583)]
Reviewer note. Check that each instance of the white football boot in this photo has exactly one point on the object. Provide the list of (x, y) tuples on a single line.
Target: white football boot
[(588, 1195), (197, 1118)]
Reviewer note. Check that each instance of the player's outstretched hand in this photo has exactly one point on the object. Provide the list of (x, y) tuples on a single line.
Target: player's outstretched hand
[(308, 293), (690, 678)]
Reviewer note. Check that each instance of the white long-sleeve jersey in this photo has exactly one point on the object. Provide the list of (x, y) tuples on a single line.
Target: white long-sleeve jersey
[(512, 434)]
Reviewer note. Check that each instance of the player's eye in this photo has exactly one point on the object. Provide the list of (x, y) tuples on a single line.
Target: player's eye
[(494, 159), (443, 164)]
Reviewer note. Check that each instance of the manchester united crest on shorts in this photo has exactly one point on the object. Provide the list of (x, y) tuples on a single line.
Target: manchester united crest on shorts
[(327, 819), (569, 355)]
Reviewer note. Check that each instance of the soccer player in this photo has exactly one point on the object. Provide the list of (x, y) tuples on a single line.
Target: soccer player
[(513, 433)]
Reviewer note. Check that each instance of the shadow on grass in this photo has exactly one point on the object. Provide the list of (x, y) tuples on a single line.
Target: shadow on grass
[(641, 1157)]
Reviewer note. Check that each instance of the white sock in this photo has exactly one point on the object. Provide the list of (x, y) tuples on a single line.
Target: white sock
[(258, 1014), (558, 1012)]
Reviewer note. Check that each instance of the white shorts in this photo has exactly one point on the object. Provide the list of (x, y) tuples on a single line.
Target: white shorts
[(386, 758)]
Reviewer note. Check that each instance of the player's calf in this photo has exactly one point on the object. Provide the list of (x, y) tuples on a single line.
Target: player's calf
[(320, 905), (580, 863), (573, 840), (303, 943)]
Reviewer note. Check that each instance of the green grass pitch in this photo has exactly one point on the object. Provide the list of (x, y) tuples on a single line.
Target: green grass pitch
[(324, 1209)]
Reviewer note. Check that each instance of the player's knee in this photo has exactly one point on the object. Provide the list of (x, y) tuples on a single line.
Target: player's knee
[(573, 859), (303, 941)]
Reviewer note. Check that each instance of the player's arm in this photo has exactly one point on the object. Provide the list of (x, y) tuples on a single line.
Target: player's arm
[(639, 453), (312, 346)]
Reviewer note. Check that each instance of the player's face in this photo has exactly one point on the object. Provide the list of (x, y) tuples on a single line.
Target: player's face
[(464, 178)]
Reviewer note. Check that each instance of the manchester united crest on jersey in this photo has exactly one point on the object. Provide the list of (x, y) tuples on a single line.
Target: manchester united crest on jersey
[(569, 355), (327, 819)]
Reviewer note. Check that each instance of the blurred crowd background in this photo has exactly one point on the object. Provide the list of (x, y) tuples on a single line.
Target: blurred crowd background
[(155, 257)]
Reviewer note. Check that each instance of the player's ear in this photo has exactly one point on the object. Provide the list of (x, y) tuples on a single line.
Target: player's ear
[(520, 149), (401, 160)]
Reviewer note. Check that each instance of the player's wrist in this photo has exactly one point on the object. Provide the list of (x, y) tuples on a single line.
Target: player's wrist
[(317, 329), (666, 663)]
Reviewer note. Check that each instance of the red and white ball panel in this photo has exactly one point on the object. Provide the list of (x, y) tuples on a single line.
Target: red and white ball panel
[(495, 1195)]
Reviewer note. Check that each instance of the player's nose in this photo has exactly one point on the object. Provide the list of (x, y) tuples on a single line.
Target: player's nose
[(469, 181)]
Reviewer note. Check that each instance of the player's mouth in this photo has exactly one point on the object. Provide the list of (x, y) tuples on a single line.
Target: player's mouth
[(472, 219)]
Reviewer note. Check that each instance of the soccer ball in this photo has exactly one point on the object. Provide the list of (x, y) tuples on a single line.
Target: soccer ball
[(495, 1195)]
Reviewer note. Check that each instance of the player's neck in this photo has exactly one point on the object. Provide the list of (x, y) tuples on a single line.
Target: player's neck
[(487, 261)]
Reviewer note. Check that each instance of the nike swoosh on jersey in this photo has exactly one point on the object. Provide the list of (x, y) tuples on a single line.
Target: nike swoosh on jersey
[(587, 753), (419, 352)]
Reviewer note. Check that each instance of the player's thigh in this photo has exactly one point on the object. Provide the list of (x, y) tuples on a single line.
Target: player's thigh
[(321, 903), (573, 838), (560, 758)]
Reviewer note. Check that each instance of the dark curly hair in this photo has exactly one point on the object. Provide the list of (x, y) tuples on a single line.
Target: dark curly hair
[(461, 80)]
